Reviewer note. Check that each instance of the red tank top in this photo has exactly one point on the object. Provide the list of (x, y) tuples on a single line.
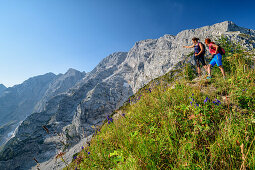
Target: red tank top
[(212, 49)]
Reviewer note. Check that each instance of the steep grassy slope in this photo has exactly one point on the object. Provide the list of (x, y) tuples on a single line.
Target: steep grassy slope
[(178, 123)]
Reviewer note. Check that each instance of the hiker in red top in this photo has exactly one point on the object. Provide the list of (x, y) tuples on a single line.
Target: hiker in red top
[(199, 53), (216, 51)]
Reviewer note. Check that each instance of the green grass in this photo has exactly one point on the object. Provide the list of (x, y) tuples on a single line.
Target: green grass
[(169, 124)]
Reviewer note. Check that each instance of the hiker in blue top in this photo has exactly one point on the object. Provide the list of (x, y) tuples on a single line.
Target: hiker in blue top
[(199, 54)]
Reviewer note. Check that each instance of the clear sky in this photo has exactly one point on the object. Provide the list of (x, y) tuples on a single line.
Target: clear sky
[(41, 36)]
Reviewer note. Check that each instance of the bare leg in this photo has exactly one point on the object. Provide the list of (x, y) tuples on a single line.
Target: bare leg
[(199, 71), (205, 67), (209, 69), (222, 70)]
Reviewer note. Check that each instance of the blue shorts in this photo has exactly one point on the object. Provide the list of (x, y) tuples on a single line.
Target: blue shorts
[(216, 60)]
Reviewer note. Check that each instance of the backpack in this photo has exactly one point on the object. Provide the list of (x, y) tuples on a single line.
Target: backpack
[(203, 47), (221, 50)]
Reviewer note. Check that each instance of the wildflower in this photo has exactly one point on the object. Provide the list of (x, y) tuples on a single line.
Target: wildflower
[(88, 153), (75, 168), (192, 94), (150, 90), (218, 101), (109, 119), (197, 104), (192, 99), (206, 100), (82, 147), (191, 103), (74, 157), (123, 114)]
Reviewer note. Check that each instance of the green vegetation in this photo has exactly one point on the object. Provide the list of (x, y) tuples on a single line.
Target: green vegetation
[(176, 123)]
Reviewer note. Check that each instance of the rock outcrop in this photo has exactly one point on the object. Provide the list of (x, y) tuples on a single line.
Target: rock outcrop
[(67, 118), (2, 88)]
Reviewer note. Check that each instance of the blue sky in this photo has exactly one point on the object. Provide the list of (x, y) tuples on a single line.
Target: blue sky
[(41, 36)]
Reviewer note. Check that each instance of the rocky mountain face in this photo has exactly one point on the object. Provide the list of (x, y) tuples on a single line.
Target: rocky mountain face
[(17, 102), (67, 118), (2, 88)]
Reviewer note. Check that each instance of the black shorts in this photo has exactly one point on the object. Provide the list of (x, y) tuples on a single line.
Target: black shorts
[(199, 59)]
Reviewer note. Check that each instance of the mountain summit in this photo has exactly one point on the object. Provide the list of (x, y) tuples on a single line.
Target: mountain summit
[(2, 88)]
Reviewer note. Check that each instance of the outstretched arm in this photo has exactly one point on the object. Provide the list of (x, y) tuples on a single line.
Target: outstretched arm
[(189, 46)]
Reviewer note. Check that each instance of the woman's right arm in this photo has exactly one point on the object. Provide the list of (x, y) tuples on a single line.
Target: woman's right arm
[(188, 46)]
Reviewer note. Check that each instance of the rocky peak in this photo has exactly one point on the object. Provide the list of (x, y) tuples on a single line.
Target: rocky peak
[(112, 60), (2, 88), (72, 71)]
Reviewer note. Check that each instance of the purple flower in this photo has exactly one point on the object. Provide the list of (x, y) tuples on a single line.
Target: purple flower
[(123, 114), (82, 147), (75, 168), (74, 157), (197, 104), (192, 99), (150, 90), (192, 94), (88, 153), (218, 101), (214, 102), (110, 120), (206, 100)]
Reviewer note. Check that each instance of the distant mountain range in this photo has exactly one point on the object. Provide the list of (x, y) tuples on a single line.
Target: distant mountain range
[(18, 102), (58, 111)]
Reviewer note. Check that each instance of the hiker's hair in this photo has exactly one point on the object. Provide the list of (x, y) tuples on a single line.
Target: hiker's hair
[(195, 39), (208, 41)]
